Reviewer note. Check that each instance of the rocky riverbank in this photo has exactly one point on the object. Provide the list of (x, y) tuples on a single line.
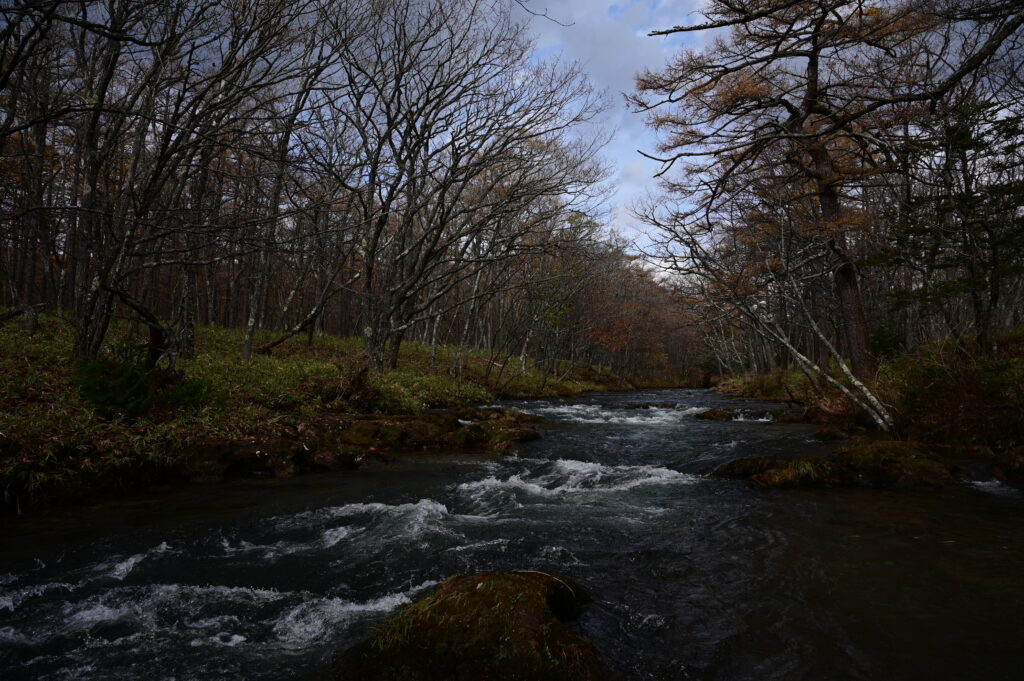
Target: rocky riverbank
[(75, 432), (331, 442)]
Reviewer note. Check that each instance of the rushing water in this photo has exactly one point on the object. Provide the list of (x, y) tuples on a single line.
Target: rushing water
[(694, 577)]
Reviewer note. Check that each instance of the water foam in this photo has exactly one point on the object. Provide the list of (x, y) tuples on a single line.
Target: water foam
[(93, 614), (500, 544), (767, 418), (271, 552), (423, 508), (560, 556), (369, 527), (567, 477), (120, 567), (12, 600), (583, 475), (9, 636), (221, 638), (316, 618), (593, 413), (994, 487)]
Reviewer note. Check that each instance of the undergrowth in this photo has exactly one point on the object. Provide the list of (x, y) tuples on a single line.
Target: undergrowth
[(939, 394), (942, 394), (784, 384), (78, 430)]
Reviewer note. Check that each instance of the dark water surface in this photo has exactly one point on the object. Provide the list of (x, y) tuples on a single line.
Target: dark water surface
[(695, 578)]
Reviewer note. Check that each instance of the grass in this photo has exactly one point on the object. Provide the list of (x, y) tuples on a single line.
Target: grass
[(786, 384), (56, 444), (939, 395), (943, 395)]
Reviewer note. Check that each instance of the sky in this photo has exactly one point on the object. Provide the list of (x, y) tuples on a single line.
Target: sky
[(610, 41)]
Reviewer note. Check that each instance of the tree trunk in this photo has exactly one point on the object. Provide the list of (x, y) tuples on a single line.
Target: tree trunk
[(189, 311), (845, 276)]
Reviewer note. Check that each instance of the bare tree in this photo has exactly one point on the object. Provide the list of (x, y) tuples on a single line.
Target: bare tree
[(462, 142)]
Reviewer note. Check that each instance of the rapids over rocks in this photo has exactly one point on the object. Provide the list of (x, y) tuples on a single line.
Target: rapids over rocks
[(693, 577)]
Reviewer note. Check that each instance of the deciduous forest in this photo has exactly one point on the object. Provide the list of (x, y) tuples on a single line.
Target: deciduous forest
[(344, 339), (396, 171)]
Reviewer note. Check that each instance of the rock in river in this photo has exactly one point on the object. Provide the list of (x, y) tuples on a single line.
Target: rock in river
[(483, 627), (889, 463), (715, 415)]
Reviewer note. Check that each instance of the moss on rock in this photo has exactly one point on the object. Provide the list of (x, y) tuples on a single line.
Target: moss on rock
[(484, 627), (889, 463)]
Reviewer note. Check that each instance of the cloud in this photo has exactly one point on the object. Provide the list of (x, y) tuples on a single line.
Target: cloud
[(609, 39)]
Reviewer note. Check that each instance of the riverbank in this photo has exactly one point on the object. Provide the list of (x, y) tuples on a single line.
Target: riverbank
[(956, 416), (72, 434)]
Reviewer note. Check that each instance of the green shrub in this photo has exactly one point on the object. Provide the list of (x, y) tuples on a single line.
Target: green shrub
[(410, 391), (1004, 378), (791, 384), (118, 383), (942, 395)]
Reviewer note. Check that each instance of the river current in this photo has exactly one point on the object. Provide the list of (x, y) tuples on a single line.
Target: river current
[(693, 577)]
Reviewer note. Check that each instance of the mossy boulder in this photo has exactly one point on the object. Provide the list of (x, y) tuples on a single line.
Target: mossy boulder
[(483, 627), (492, 428), (895, 463), (396, 432), (715, 415), (471, 436), (889, 463), (513, 434)]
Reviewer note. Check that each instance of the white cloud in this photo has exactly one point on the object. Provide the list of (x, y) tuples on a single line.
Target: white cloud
[(610, 41)]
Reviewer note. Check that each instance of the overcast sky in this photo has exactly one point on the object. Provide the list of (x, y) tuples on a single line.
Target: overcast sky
[(610, 40)]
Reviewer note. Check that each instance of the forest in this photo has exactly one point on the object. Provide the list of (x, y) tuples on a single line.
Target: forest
[(841, 189), (844, 183), (331, 347), (401, 170)]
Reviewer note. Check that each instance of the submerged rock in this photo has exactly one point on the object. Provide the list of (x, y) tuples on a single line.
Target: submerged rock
[(715, 415), (484, 627), (877, 464)]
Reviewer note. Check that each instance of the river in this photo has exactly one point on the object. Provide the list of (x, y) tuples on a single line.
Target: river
[(693, 577)]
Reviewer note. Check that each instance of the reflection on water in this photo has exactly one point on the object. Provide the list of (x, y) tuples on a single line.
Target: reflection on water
[(695, 578)]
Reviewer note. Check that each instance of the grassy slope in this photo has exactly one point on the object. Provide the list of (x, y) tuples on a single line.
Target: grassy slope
[(939, 396), (54, 444)]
